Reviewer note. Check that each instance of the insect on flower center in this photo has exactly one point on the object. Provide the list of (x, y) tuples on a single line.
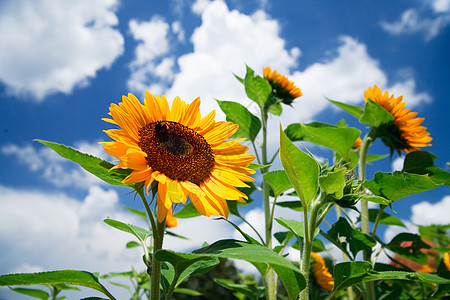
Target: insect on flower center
[(176, 151)]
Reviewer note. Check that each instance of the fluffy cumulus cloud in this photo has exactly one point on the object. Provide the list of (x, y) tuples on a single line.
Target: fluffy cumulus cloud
[(53, 46), (428, 20), (426, 213), (53, 167), (151, 68), (50, 231)]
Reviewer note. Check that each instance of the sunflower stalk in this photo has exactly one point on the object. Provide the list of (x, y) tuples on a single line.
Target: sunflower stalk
[(370, 287), (310, 225), (271, 292)]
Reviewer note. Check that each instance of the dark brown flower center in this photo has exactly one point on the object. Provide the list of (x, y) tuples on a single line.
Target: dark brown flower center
[(176, 151)]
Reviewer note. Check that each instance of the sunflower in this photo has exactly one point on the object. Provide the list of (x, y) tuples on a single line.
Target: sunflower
[(447, 260), (405, 133), (320, 271), (283, 88), (181, 153)]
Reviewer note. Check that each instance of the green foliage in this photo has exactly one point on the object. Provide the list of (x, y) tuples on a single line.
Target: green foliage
[(332, 183), (375, 115), (399, 185), (301, 168), (355, 111), (288, 273), (409, 245), (422, 162), (140, 233), (256, 87), (249, 125), (71, 277), (94, 165), (354, 239), (278, 181)]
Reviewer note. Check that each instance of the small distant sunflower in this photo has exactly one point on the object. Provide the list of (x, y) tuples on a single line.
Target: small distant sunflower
[(405, 133), (180, 152), (357, 143), (320, 271), (447, 260), (283, 88)]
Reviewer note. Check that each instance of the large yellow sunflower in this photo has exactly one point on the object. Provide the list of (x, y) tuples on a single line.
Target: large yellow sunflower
[(406, 132), (186, 155), (321, 274), (284, 89)]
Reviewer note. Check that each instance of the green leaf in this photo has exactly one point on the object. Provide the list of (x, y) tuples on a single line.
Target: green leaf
[(355, 111), (355, 272), (288, 273), (278, 181), (257, 166), (295, 205), (79, 278), (413, 249), (294, 132), (375, 157), (256, 87), (139, 213), (35, 293), (355, 239), (377, 199), (132, 244), (399, 185), (302, 169), (375, 114), (240, 288), (188, 211), (296, 227), (386, 219), (249, 125), (338, 139), (140, 233), (422, 162), (188, 292), (93, 165), (332, 183), (276, 109)]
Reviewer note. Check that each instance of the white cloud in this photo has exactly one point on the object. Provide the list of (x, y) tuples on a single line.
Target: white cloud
[(441, 6), (50, 231), (54, 46), (53, 167), (426, 213), (149, 62), (397, 164), (200, 5), (414, 21)]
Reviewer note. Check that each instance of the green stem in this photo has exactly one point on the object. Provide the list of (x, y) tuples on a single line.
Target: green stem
[(156, 265), (370, 287), (271, 293), (309, 228), (344, 257), (256, 152), (377, 220)]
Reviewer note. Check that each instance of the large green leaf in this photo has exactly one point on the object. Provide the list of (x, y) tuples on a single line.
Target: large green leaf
[(355, 239), (92, 164), (338, 139), (355, 111), (332, 183), (278, 181), (249, 125), (399, 185), (409, 245), (256, 87), (288, 273), (79, 278), (35, 293), (375, 115), (355, 272), (188, 211), (301, 168), (296, 227), (140, 233), (422, 162)]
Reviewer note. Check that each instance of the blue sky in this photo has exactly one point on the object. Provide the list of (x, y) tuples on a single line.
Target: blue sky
[(62, 63)]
